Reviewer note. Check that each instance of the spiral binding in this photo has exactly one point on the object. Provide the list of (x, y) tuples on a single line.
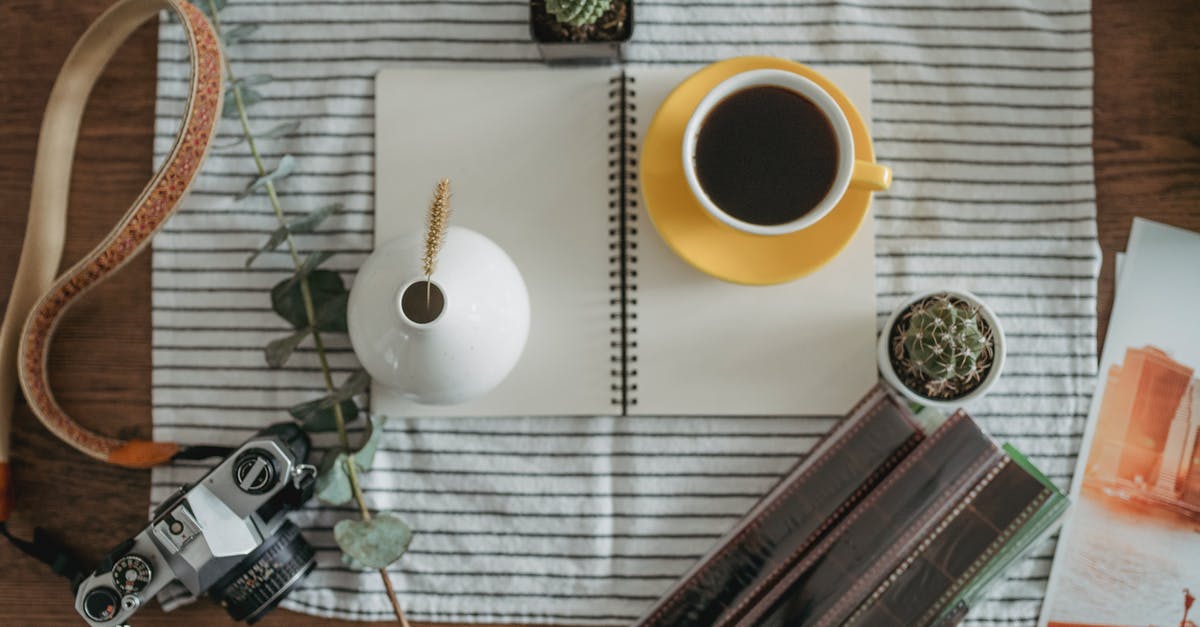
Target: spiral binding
[(622, 247)]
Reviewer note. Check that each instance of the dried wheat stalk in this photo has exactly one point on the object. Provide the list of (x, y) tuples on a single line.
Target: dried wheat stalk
[(435, 230)]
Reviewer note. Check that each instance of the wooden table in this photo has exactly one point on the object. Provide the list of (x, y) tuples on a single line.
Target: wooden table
[(1147, 145)]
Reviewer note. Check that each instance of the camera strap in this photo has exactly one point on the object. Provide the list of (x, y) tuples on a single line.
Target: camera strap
[(50, 552), (38, 300)]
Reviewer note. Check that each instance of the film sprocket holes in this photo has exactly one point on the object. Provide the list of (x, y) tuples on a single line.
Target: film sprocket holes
[(226, 535)]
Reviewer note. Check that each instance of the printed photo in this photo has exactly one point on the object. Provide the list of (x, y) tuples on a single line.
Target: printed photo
[(1129, 554), (1139, 507)]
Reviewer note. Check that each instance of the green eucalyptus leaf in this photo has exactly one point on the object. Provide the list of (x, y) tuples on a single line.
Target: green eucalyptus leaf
[(364, 457), (278, 351), (326, 420), (331, 313), (286, 165), (310, 222), (287, 301), (281, 130), (250, 96), (354, 385), (333, 484), (239, 33), (305, 224), (372, 544), (273, 242), (275, 132), (230, 144), (329, 305), (307, 409), (311, 262), (318, 415), (333, 480), (208, 6), (256, 79)]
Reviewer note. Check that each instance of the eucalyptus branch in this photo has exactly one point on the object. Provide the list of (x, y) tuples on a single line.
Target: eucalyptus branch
[(309, 308)]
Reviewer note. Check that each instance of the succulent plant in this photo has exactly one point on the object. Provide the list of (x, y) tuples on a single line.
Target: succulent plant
[(942, 346), (577, 12)]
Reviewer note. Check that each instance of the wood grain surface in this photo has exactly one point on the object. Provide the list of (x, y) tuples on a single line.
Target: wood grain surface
[(1147, 147)]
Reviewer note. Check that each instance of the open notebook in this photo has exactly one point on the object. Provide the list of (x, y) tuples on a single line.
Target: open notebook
[(543, 161)]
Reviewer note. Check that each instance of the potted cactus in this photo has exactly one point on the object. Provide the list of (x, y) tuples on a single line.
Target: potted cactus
[(942, 349), (580, 30)]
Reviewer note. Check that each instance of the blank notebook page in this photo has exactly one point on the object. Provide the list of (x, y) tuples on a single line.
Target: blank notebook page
[(709, 347), (526, 151)]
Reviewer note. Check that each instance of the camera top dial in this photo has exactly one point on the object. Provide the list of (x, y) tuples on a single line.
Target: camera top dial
[(131, 574)]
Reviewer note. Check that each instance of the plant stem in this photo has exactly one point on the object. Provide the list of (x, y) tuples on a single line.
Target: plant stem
[(352, 472), (309, 309), (387, 583)]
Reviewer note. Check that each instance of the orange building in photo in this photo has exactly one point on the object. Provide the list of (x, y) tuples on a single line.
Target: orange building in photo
[(1147, 428), (1188, 479)]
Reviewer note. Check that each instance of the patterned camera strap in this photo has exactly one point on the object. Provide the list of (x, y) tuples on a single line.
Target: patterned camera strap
[(38, 300)]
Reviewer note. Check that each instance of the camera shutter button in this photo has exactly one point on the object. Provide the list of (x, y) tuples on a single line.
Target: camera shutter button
[(255, 471)]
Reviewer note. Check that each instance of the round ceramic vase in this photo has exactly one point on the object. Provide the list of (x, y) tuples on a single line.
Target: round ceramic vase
[(883, 352), (448, 354)]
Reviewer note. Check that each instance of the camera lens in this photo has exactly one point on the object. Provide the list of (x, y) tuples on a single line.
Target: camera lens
[(261, 581)]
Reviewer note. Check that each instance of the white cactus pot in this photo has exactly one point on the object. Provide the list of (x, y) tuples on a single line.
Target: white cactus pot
[(998, 352)]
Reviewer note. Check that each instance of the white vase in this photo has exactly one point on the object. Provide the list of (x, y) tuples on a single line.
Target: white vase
[(883, 352), (465, 343)]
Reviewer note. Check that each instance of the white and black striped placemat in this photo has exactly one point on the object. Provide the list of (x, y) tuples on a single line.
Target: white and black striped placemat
[(983, 107)]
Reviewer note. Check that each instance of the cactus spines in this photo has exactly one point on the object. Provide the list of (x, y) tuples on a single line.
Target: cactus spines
[(942, 346), (577, 12)]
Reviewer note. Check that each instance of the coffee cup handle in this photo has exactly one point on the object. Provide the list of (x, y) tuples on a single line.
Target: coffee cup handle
[(870, 176)]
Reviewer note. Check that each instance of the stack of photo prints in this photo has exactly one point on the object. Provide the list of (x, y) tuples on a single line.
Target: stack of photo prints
[(890, 520), (1130, 549)]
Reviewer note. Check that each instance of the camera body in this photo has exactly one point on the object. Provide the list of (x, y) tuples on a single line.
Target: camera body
[(227, 535)]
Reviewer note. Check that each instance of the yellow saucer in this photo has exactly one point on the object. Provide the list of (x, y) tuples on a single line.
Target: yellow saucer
[(712, 246)]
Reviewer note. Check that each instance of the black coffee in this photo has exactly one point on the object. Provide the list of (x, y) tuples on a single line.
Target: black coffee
[(766, 155)]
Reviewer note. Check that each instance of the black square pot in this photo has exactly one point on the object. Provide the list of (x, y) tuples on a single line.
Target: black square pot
[(557, 49)]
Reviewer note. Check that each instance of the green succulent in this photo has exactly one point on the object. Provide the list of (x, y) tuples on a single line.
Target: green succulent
[(577, 12), (943, 345)]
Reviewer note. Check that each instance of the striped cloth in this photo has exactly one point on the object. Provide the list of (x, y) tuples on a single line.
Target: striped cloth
[(983, 107)]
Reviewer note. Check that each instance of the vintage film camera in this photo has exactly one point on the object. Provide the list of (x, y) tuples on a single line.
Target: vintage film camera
[(226, 535)]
